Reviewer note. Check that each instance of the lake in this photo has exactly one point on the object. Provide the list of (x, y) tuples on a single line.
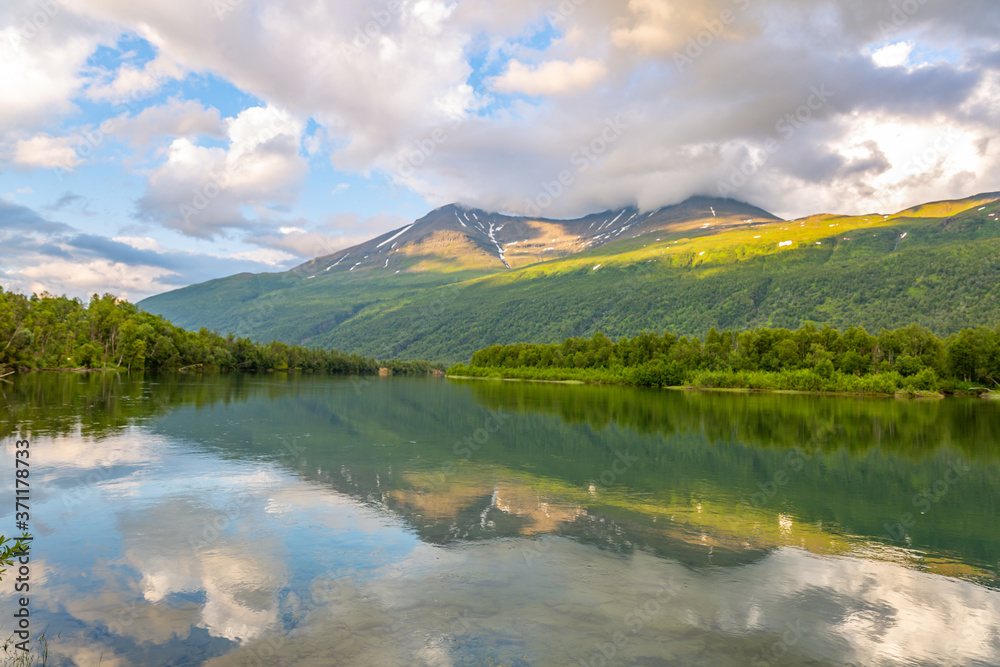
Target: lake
[(306, 520)]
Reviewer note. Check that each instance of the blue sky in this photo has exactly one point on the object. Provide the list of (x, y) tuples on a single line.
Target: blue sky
[(147, 146)]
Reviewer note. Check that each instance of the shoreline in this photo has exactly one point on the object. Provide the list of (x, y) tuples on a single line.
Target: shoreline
[(899, 395), (472, 377), (911, 395), (211, 370)]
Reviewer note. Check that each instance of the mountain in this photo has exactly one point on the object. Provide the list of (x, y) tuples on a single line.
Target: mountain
[(459, 279), (453, 237)]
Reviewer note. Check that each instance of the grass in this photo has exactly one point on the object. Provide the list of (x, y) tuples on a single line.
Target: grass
[(15, 657)]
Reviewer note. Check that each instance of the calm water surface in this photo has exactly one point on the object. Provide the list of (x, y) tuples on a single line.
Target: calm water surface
[(273, 520)]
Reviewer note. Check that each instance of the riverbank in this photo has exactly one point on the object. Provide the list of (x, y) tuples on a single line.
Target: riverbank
[(398, 368), (890, 384)]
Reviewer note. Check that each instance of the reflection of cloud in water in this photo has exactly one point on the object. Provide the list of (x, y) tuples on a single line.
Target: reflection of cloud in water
[(240, 577), (117, 606), (484, 601), (76, 452), (204, 541), (328, 510), (241, 592), (78, 653), (474, 602), (885, 613)]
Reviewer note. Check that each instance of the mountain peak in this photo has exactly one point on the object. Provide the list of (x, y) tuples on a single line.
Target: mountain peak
[(457, 237)]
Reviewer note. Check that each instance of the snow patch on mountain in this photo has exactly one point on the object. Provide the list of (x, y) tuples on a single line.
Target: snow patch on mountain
[(396, 235)]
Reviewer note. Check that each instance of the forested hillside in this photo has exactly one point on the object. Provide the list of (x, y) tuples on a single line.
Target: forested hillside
[(700, 266)]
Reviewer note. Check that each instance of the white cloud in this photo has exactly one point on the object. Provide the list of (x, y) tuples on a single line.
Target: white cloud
[(690, 127), (96, 276), (550, 78), (46, 152), (893, 55), (258, 127), (131, 83), (176, 118), (372, 92), (201, 191), (41, 76)]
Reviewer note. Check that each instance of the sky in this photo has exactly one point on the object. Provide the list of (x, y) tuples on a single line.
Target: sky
[(145, 146)]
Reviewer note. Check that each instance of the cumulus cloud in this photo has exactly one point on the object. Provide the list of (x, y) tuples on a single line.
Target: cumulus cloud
[(374, 77), (130, 83), (201, 191), (174, 119), (46, 152), (40, 65), (76, 277)]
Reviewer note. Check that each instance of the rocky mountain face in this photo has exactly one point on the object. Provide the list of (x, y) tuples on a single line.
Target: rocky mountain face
[(454, 237)]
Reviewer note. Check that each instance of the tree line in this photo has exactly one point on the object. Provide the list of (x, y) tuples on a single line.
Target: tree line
[(48, 332), (810, 358)]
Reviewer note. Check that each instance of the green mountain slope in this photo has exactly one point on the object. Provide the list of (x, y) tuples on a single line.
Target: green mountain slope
[(441, 288)]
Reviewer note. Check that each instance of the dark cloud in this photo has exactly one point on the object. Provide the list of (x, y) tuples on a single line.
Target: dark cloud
[(15, 216), (51, 250), (874, 164), (989, 59), (116, 251), (923, 92), (18, 244)]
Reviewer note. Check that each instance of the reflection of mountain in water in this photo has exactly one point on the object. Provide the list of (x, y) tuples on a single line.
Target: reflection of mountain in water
[(694, 493), (702, 488), (271, 520)]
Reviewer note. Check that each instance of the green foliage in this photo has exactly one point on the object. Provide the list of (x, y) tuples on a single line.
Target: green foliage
[(10, 550), (46, 332), (910, 359)]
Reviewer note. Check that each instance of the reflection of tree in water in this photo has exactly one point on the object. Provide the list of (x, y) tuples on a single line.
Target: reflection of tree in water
[(99, 404), (382, 443), (906, 427)]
